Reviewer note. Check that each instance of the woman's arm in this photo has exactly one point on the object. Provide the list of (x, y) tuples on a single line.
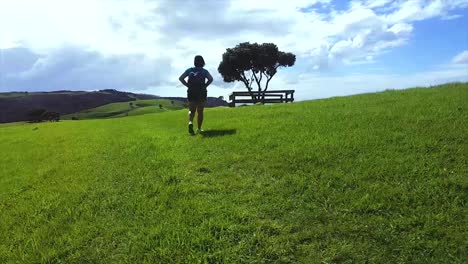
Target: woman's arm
[(209, 77), (182, 78)]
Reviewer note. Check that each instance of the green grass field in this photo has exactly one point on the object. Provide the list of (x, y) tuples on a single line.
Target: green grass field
[(138, 107), (374, 178)]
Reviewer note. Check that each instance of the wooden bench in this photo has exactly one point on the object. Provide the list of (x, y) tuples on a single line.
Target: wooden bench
[(278, 96)]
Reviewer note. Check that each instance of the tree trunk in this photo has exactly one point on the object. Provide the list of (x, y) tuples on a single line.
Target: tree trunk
[(266, 85), (259, 87), (247, 85)]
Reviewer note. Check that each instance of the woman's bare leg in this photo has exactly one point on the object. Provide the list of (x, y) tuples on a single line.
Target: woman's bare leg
[(191, 114), (200, 108), (192, 109)]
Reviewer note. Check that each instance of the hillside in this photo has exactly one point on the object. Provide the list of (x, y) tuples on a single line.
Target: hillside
[(137, 107), (15, 106), (376, 178)]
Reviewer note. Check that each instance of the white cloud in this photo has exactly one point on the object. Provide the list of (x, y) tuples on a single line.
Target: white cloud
[(416, 10), (376, 3), (461, 58), (451, 17), (48, 24), (77, 68), (290, 5)]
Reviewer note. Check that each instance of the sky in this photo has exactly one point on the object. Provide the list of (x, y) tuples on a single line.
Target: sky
[(341, 47)]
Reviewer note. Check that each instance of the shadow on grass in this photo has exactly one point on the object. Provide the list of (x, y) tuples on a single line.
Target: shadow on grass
[(218, 132)]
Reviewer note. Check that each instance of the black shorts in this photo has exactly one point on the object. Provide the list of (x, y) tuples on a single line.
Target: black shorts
[(196, 95)]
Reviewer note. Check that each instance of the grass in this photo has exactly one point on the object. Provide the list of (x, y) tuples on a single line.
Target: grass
[(121, 109), (378, 178), (12, 94)]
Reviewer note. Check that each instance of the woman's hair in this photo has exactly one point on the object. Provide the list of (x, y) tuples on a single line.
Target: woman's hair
[(199, 61)]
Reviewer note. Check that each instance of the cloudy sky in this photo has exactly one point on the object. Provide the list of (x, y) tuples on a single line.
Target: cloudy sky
[(342, 47)]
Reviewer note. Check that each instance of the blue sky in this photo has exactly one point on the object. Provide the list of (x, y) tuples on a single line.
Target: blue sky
[(434, 42), (342, 47)]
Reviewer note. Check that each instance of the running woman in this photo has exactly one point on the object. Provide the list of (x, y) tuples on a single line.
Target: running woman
[(198, 80)]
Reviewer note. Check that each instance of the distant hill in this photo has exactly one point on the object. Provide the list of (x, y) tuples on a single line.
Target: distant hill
[(132, 108), (15, 106)]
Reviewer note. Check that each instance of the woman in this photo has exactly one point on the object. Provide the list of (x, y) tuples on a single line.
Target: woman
[(196, 92)]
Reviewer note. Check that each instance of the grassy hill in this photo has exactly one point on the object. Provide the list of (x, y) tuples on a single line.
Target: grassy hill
[(377, 178), (15, 106), (137, 107)]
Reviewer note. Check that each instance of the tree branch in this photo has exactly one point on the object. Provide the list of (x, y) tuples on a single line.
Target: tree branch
[(268, 81), (245, 81), (251, 79), (247, 84), (258, 84)]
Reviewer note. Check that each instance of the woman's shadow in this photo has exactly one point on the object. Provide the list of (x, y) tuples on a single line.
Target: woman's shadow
[(218, 132)]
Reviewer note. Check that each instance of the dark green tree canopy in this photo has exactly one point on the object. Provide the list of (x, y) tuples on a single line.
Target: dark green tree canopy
[(254, 63)]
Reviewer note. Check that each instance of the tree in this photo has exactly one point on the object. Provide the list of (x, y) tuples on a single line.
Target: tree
[(36, 115), (254, 63), (51, 116)]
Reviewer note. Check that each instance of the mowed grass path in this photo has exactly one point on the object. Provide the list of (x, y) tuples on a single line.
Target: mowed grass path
[(380, 178)]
